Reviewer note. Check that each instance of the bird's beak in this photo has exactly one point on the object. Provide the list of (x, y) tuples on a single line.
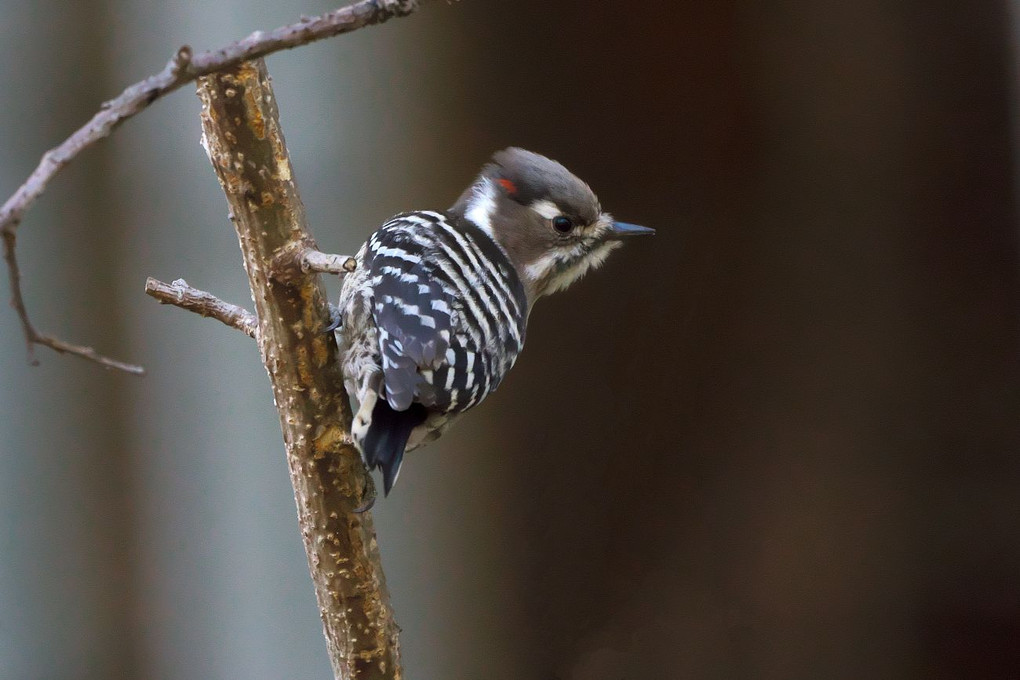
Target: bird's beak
[(624, 230)]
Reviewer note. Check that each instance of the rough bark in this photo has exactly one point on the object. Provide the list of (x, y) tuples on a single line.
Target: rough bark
[(241, 133)]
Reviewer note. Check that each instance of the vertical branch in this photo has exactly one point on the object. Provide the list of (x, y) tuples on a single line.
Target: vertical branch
[(241, 134)]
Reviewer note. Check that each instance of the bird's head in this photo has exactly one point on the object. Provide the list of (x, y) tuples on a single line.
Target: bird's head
[(548, 221)]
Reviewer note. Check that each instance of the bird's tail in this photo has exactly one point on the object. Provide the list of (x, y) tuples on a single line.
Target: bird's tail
[(387, 437)]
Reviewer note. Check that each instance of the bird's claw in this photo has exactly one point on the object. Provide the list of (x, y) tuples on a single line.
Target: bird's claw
[(365, 507), (368, 496), (335, 318)]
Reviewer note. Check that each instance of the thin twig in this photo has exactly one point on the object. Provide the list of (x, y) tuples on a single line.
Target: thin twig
[(17, 301), (183, 67), (180, 294), (325, 263), (34, 337), (63, 347)]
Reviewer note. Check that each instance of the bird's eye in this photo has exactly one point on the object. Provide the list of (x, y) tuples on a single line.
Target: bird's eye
[(562, 224)]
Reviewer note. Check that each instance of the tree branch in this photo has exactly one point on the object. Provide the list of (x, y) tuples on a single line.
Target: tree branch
[(326, 263), (242, 136), (180, 294), (34, 337), (183, 67), (291, 264)]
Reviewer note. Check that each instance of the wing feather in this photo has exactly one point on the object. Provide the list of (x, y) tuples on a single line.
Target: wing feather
[(439, 347), (414, 333)]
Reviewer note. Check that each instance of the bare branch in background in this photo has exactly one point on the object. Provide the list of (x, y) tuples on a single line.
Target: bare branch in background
[(180, 294), (34, 337), (246, 146), (183, 68)]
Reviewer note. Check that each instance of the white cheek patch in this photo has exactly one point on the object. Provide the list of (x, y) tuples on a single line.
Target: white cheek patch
[(537, 270), (592, 261), (598, 257), (545, 208), (482, 205)]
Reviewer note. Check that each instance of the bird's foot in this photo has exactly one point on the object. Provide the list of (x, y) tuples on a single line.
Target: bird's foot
[(368, 496), (335, 319)]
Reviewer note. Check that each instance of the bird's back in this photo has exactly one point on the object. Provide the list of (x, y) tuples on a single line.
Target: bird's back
[(435, 315)]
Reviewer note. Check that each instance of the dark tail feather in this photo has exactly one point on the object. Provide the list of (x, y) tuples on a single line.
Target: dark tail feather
[(387, 436)]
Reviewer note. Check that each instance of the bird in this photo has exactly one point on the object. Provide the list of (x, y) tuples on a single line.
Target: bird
[(435, 312)]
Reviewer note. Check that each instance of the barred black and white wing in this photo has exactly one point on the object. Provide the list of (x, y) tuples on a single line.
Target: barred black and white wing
[(449, 309), (411, 309), (432, 320)]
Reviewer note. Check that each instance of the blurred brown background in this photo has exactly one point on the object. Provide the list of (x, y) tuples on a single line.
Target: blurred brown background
[(779, 441)]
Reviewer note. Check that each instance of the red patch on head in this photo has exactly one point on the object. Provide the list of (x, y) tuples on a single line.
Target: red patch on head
[(508, 185)]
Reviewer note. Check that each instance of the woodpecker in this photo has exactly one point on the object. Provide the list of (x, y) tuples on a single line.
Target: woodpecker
[(435, 313)]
